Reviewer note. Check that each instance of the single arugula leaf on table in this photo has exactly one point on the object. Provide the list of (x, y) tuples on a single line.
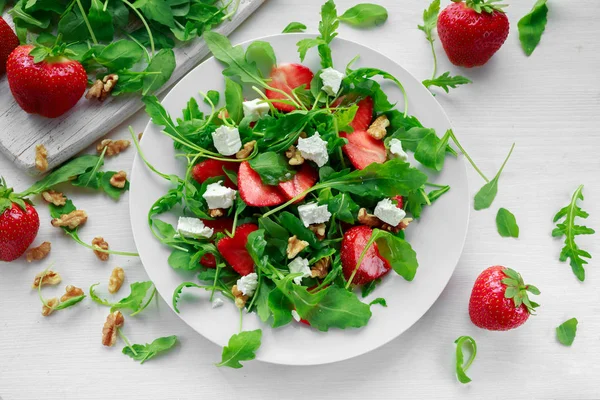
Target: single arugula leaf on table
[(365, 15), (445, 81), (241, 347), (135, 301), (570, 230), (507, 223), (327, 32), (566, 332), (532, 26), (460, 368), (145, 352), (294, 27), (486, 195), (380, 301)]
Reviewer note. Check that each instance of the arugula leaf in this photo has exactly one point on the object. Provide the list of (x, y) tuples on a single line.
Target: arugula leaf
[(342, 207), (157, 10), (507, 223), (69, 303), (365, 15), (294, 27), (431, 150), (262, 55), (273, 168), (280, 307), (179, 289), (445, 81), (370, 287), (71, 26), (134, 301), (430, 17), (380, 300), (109, 189), (145, 352), (327, 29), (101, 21), (97, 299), (68, 171), (460, 369), (234, 99), (234, 58), (122, 54), (566, 332), (161, 67), (486, 195), (570, 231), (241, 347), (532, 26), (295, 226), (212, 97), (397, 252), (262, 300), (179, 259)]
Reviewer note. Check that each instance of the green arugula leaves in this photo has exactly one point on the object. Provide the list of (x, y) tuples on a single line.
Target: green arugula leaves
[(532, 26), (461, 368), (507, 223), (294, 27), (145, 352), (67, 172), (365, 15), (273, 168), (566, 332), (134, 302), (445, 81), (486, 195), (241, 347)]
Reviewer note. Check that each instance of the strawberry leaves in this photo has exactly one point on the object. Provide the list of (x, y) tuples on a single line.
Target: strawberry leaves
[(460, 368), (517, 290), (488, 6), (532, 26), (570, 230)]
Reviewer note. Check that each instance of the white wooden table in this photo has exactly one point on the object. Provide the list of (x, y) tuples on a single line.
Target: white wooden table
[(549, 104)]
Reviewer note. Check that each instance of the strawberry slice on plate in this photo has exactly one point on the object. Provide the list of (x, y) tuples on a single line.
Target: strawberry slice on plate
[(210, 168), (364, 115), (363, 150), (233, 249), (287, 77), (305, 178), (254, 192), (373, 266), (219, 226)]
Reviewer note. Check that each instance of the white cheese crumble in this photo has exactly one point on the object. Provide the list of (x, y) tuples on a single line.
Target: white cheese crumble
[(193, 228), (217, 302), (299, 265), (314, 148), (255, 109), (389, 213), (219, 196), (332, 79), (247, 284), (311, 213), (227, 140), (295, 315), (396, 150)]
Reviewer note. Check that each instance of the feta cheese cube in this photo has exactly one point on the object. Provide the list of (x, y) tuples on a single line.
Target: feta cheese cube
[(389, 213), (295, 315), (217, 302), (247, 284), (255, 109), (332, 79), (311, 213), (314, 148), (219, 196), (227, 140), (396, 150), (299, 265), (193, 228)]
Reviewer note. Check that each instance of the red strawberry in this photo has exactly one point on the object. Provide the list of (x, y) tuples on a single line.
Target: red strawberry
[(287, 77), (499, 300), (8, 42), (472, 32), (305, 178), (210, 168), (19, 224), (373, 266), (254, 192), (400, 201), (364, 115), (49, 88), (363, 150), (219, 226), (234, 250)]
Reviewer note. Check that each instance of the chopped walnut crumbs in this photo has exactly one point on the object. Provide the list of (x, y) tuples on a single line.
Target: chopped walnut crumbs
[(117, 277), (70, 292), (119, 180), (377, 130), (38, 253), (321, 268), (240, 298), (114, 321), (318, 230), (54, 197), (294, 155), (41, 158), (216, 212), (71, 220), (51, 278), (368, 219), (113, 147), (49, 309), (295, 246)]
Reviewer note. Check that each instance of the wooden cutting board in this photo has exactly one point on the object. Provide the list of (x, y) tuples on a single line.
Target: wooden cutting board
[(65, 136)]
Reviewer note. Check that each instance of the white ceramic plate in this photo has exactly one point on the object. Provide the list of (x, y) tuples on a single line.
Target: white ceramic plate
[(437, 238)]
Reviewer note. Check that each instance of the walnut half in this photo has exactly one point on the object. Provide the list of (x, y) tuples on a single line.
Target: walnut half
[(368, 219), (318, 230), (321, 268), (54, 197), (246, 151), (50, 278), (113, 147), (38, 253), (101, 88), (116, 280), (113, 322), (49, 309), (294, 155), (71, 220), (377, 130), (70, 292), (240, 298), (119, 180), (41, 158), (295, 246), (99, 242)]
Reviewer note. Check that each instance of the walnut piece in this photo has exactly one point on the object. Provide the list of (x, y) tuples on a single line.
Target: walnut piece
[(114, 321), (377, 128), (113, 147), (119, 179), (71, 220), (294, 155), (38, 253), (99, 242), (41, 158), (101, 88), (400, 227), (51, 278), (240, 298), (49, 309), (246, 151), (70, 292), (295, 246), (368, 219), (216, 212), (116, 279), (54, 197), (321, 268), (318, 230)]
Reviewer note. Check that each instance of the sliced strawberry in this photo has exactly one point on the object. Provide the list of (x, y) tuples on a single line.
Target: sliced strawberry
[(364, 115), (219, 226), (210, 168), (305, 322), (254, 192), (400, 201), (373, 266), (234, 250), (287, 77), (363, 150), (305, 178)]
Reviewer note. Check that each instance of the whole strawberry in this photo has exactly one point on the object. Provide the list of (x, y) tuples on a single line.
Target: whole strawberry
[(19, 224), (472, 32), (8, 42), (499, 300), (49, 85)]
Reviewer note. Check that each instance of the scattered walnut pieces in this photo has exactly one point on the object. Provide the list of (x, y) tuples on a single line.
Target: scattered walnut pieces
[(318, 230), (38, 253), (368, 219), (240, 298), (113, 147), (377, 129), (246, 151), (101, 88), (41, 158), (295, 246), (294, 155), (71, 220), (49, 309), (70, 292), (51, 278), (321, 268), (116, 280), (114, 321), (216, 212), (119, 179), (54, 197), (99, 241)]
